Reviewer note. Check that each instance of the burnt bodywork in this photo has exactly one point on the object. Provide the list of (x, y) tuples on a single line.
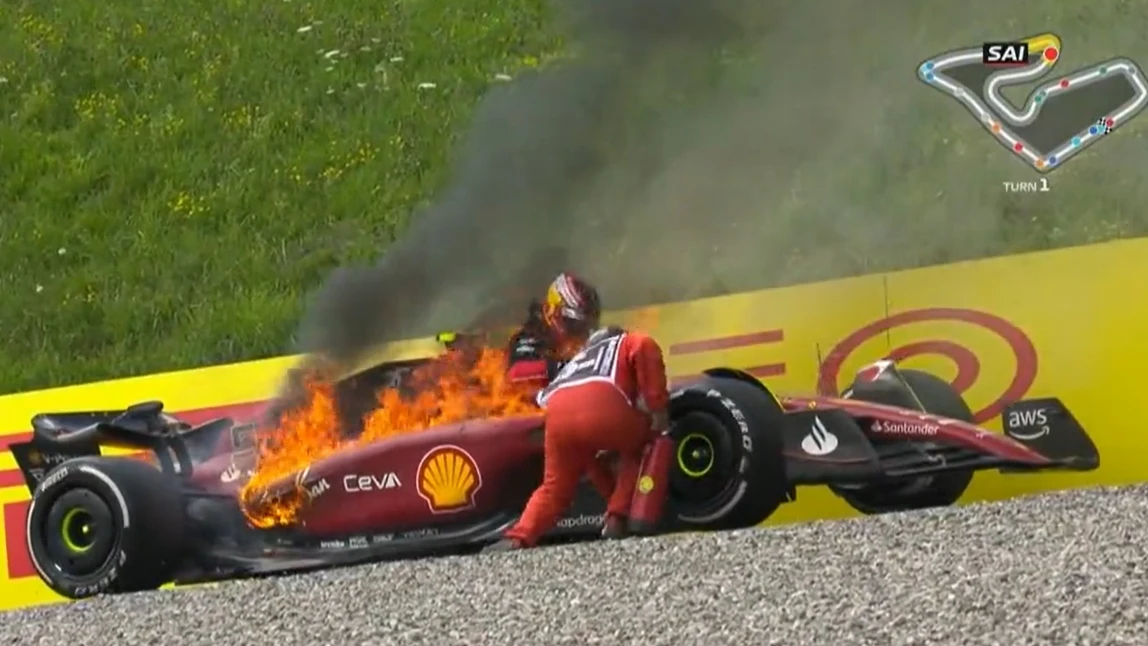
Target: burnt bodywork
[(455, 488)]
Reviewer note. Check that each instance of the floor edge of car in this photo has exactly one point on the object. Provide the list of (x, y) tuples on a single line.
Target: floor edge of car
[(344, 550)]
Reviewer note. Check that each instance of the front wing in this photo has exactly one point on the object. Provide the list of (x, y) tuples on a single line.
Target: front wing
[(827, 445)]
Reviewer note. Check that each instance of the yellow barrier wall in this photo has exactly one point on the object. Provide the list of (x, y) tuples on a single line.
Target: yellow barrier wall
[(1063, 323)]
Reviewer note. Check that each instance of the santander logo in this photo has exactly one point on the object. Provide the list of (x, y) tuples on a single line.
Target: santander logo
[(904, 428)]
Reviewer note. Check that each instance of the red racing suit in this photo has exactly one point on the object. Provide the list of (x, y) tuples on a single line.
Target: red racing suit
[(601, 400), (534, 359)]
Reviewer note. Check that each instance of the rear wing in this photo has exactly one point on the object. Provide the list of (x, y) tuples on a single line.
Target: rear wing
[(143, 430), (35, 461)]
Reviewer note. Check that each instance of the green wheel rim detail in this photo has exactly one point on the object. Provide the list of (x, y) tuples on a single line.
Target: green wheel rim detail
[(689, 451), (75, 530)]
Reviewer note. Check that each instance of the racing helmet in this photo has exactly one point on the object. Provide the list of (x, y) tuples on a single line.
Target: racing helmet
[(572, 307)]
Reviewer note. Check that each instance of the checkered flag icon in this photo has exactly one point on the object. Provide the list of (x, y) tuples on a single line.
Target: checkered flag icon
[(1102, 125)]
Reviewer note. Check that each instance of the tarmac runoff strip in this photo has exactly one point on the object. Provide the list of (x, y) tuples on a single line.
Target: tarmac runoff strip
[(1061, 569)]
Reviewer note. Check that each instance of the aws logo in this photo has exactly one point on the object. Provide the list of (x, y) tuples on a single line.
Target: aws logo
[(448, 479)]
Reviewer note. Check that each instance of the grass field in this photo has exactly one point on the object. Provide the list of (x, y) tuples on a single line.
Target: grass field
[(175, 177)]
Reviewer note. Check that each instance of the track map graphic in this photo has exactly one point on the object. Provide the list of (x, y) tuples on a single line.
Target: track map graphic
[(1060, 118)]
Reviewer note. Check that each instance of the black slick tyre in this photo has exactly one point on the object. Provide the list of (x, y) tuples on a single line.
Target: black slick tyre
[(729, 470), (105, 526), (941, 490)]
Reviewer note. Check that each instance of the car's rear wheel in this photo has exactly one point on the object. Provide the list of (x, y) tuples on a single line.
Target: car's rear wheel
[(105, 525), (941, 490), (729, 470)]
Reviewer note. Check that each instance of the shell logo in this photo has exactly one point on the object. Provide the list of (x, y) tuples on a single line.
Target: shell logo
[(448, 479)]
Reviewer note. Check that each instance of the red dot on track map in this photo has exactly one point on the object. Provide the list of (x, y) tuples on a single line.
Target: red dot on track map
[(1018, 147), (1051, 53), (1064, 83)]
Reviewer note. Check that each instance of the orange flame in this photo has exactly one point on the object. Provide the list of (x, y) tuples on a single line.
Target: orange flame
[(302, 436), (461, 385)]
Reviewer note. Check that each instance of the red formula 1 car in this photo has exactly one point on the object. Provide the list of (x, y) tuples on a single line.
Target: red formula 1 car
[(897, 439)]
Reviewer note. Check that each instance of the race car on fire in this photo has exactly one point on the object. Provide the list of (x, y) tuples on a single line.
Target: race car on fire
[(219, 501)]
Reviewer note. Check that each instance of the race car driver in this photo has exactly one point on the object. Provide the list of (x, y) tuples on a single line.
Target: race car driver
[(538, 350), (533, 353), (610, 396), (533, 356)]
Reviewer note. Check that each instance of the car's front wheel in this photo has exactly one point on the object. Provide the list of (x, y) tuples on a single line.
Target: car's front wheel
[(728, 470), (937, 397), (105, 525)]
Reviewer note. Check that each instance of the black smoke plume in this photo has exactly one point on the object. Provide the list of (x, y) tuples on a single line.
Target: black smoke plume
[(508, 219), (689, 148)]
